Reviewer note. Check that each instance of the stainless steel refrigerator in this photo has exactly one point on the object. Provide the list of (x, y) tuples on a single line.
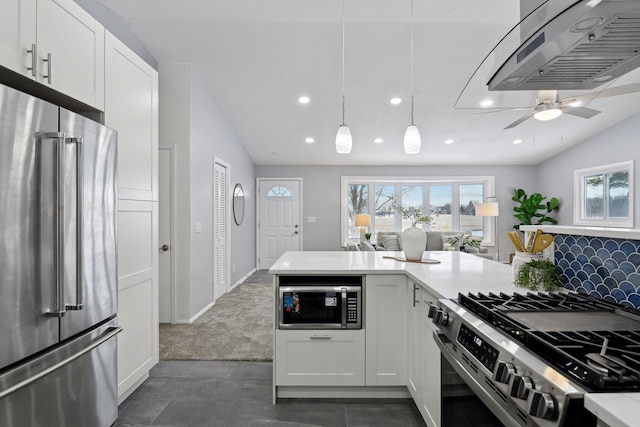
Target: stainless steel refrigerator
[(58, 271)]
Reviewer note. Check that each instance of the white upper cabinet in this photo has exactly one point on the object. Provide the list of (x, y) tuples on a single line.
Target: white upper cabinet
[(131, 107), (56, 43), (17, 34)]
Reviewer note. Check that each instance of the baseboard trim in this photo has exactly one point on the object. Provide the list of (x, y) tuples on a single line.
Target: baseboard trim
[(243, 278), (345, 392)]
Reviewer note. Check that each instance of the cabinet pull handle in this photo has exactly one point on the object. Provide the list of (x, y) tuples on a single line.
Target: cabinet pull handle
[(34, 60), (320, 337), (48, 61), (415, 288)]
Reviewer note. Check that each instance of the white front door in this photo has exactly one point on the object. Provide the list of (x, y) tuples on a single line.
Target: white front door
[(165, 205), (279, 226), (220, 228)]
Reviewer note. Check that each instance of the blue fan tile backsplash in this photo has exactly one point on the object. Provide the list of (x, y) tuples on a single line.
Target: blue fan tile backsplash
[(599, 266)]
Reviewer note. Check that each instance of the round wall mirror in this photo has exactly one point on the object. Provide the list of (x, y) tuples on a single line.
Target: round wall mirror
[(238, 204)]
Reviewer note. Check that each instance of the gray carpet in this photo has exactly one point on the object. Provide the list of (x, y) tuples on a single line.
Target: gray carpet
[(238, 327)]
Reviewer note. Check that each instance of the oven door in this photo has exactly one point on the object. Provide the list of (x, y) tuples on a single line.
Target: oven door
[(462, 396), (320, 307)]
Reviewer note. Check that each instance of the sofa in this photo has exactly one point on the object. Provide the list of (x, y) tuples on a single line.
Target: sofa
[(392, 241)]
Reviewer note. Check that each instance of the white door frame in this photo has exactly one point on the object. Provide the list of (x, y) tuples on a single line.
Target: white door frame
[(173, 149), (258, 190), (227, 225)]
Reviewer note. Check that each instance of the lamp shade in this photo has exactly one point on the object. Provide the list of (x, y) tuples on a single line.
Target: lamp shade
[(487, 209), (343, 140), (363, 220), (412, 140)]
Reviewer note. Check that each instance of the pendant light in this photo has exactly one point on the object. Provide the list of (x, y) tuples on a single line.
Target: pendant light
[(412, 141), (343, 136)]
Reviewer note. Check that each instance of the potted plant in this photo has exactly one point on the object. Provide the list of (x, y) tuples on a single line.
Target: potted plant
[(465, 240), (367, 236), (538, 274), (532, 210)]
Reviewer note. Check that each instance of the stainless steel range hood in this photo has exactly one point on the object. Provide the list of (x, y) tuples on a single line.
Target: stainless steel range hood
[(568, 44)]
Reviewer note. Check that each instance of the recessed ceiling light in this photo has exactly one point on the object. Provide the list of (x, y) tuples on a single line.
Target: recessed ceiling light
[(309, 140), (304, 99), (378, 140), (395, 101), (448, 141), (517, 141), (486, 103)]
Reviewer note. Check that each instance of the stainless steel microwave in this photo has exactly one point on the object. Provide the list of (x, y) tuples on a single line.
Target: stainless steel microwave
[(320, 307)]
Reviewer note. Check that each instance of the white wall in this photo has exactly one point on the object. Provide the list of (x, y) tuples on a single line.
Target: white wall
[(191, 119), (321, 194), (616, 144)]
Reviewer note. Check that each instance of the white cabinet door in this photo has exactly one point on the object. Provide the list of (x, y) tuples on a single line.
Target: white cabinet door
[(131, 107), (70, 45), (137, 293), (430, 404), (386, 326), (17, 34), (319, 358), (414, 345)]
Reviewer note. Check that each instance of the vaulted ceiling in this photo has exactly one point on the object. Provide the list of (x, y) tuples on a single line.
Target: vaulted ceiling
[(257, 57)]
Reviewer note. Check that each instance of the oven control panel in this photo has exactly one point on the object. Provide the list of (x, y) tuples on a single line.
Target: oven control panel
[(478, 347)]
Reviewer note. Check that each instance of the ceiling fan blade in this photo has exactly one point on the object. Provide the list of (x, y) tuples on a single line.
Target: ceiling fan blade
[(500, 110), (521, 119), (620, 90), (585, 113), (612, 91)]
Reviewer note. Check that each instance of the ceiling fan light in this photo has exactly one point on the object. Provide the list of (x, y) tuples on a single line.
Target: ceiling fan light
[(343, 140), (412, 140), (549, 114)]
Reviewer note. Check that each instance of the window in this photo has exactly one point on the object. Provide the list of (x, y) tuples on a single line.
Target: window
[(432, 196), (603, 195), (279, 191)]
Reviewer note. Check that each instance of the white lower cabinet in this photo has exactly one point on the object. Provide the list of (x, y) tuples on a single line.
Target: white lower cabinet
[(386, 326), (414, 344), (429, 403), (319, 358)]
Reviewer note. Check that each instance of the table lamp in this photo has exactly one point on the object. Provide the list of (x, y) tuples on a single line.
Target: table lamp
[(491, 209), (363, 221)]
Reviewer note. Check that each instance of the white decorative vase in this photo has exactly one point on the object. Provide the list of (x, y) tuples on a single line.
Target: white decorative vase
[(414, 241), (520, 259)]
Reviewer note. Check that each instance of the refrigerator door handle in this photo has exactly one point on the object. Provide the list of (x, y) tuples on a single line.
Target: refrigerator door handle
[(79, 305), (109, 333), (59, 310)]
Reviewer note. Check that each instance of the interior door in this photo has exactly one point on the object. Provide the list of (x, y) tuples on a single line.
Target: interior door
[(220, 207), (279, 227)]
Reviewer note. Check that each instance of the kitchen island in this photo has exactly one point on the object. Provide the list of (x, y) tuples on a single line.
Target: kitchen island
[(394, 355)]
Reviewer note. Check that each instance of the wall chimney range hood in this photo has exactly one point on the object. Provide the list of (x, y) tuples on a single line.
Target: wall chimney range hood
[(573, 45)]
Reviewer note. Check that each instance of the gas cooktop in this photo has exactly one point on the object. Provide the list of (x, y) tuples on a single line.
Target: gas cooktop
[(593, 341)]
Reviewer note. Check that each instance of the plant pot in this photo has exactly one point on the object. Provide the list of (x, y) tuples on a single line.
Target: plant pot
[(520, 259), (414, 241)]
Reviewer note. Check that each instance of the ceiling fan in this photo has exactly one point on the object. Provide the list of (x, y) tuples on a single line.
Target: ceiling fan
[(550, 106)]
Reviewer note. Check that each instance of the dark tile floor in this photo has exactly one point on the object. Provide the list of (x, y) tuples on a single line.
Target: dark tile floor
[(229, 394)]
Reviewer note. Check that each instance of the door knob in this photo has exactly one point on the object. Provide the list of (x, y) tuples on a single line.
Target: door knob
[(295, 232), (164, 248)]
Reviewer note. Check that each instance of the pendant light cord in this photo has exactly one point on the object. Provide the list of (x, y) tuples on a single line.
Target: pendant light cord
[(412, 63), (343, 26)]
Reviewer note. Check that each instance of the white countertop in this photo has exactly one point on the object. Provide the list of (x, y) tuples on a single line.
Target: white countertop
[(615, 409), (457, 271)]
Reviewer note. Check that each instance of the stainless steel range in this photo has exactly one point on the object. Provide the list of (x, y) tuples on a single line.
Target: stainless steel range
[(531, 358)]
